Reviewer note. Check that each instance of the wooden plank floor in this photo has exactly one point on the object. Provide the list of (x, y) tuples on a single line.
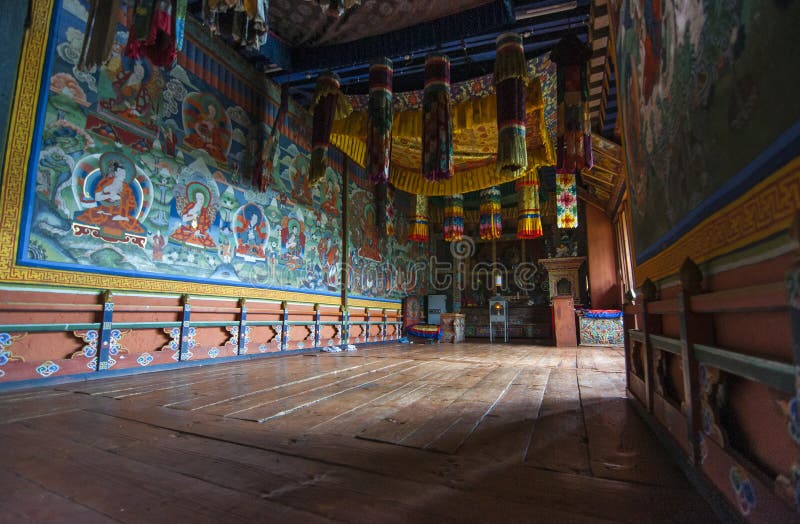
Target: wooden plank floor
[(402, 433)]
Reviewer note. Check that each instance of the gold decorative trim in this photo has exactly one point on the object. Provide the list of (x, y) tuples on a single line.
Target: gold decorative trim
[(21, 128), (12, 194), (373, 304), (765, 210)]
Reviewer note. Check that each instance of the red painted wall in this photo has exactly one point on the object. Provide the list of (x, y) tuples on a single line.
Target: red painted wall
[(602, 260)]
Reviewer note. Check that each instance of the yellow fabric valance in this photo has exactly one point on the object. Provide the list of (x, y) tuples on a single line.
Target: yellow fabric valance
[(474, 144)]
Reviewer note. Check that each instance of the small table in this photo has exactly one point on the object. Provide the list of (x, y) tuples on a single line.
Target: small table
[(452, 327)]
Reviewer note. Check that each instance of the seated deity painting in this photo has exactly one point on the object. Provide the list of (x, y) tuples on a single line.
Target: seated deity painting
[(207, 126), (114, 198), (127, 88), (196, 204), (252, 232), (293, 241), (369, 235)]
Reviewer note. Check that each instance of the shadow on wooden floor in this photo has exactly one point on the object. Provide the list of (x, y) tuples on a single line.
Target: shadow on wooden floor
[(464, 433)]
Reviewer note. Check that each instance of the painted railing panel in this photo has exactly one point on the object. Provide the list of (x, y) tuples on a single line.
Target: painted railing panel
[(136, 331), (696, 424)]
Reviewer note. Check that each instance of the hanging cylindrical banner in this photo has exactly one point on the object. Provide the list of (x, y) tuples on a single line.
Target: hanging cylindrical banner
[(98, 37), (329, 105), (384, 210), (574, 145), (418, 230), (566, 201), (437, 122), (379, 121), (152, 30), (529, 220), (491, 218), (510, 75), (453, 218)]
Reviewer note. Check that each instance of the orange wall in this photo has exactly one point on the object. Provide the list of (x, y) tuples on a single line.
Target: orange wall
[(602, 260)]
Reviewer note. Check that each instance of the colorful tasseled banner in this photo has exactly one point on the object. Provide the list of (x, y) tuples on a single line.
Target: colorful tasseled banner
[(379, 121), (152, 30), (245, 21), (491, 217), (510, 76), (574, 145), (567, 201), (453, 218), (529, 219), (418, 230), (180, 24), (329, 105), (437, 122)]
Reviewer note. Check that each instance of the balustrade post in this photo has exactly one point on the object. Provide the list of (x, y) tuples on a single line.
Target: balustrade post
[(790, 487), (344, 339), (183, 347), (242, 341), (696, 328), (651, 324), (317, 326), (106, 326), (285, 326), (367, 327)]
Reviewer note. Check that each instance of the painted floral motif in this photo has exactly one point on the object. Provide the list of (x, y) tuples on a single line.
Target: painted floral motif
[(712, 397), (701, 441), (234, 340), (743, 487), (144, 359), (602, 331), (175, 342), (213, 352), (175, 336), (7, 356), (47, 368), (92, 338), (90, 349), (794, 420), (274, 342), (115, 345)]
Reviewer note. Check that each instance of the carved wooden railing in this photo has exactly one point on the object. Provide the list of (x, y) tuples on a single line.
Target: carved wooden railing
[(89, 334), (690, 406)]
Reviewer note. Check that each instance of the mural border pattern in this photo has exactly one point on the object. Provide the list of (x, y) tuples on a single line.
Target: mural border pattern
[(765, 210)]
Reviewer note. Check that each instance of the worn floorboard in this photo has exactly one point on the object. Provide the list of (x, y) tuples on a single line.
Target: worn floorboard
[(397, 433)]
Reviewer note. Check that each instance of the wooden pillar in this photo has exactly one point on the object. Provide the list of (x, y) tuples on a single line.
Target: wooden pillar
[(345, 233), (695, 329), (651, 325)]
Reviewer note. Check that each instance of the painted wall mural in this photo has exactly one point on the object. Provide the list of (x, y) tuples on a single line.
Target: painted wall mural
[(145, 171), (705, 86)]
